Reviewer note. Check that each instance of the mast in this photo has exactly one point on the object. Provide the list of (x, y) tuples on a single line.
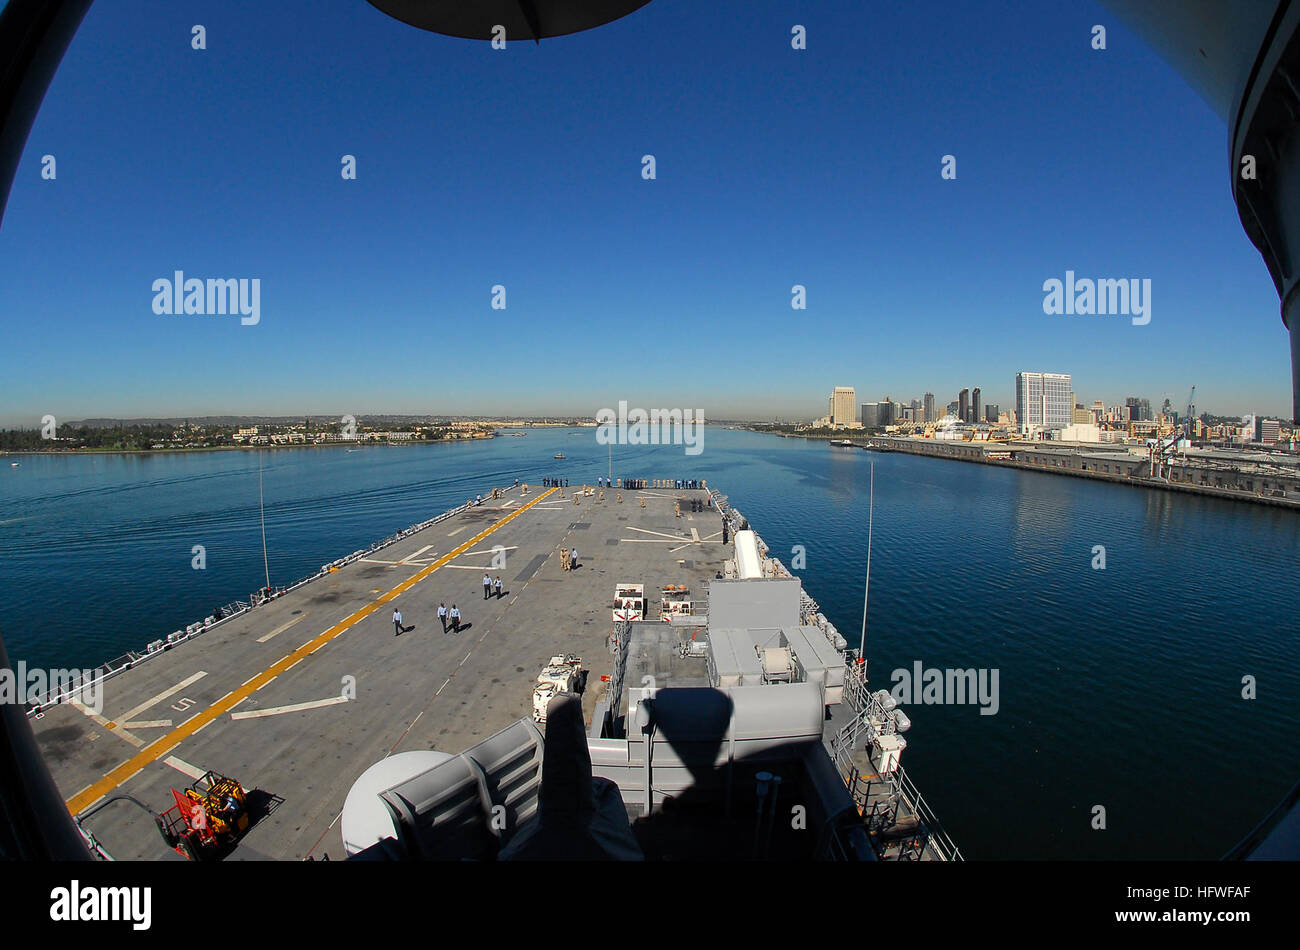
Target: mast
[(262, 507), (866, 591)]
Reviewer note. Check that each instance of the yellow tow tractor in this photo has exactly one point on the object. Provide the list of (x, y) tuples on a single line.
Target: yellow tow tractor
[(212, 812)]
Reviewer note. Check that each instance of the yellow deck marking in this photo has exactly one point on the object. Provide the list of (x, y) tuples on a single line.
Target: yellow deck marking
[(161, 746)]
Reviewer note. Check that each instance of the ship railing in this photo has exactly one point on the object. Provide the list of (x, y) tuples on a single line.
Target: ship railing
[(228, 612), (898, 788)]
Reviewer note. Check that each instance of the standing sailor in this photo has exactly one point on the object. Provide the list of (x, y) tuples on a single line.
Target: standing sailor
[(455, 619), (397, 622), (497, 585), (487, 586), (442, 615)]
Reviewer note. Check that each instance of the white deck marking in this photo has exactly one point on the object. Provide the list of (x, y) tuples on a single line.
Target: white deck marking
[(695, 536), (513, 547), (371, 560), (466, 567), (442, 687), (153, 701), (295, 707), (458, 531), (110, 726), (416, 554), (659, 534), (146, 723), (281, 629), (180, 765)]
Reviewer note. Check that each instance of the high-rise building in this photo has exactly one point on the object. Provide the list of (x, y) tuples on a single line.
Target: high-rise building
[(1044, 400), (842, 412), (1267, 430), (963, 405), (991, 413), (929, 407), (1139, 410), (975, 404), (871, 414)]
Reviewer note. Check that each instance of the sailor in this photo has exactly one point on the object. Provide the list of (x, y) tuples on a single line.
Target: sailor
[(454, 614), (497, 586), (487, 586), (397, 622), (573, 558), (442, 615)]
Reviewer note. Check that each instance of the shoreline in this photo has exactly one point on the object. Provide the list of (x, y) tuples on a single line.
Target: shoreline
[(1062, 460), (240, 448)]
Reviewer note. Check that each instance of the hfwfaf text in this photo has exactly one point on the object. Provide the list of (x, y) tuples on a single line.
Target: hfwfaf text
[(642, 427), (213, 296)]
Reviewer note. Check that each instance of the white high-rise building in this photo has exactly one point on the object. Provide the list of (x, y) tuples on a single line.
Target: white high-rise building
[(1044, 401), (843, 406)]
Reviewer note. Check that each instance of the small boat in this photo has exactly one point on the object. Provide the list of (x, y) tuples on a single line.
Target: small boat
[(559, 455), (13, 464)]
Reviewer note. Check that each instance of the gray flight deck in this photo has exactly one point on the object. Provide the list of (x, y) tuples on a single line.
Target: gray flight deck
[(297, 697)]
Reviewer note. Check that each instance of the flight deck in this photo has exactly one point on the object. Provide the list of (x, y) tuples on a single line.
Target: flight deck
[(297, 697)]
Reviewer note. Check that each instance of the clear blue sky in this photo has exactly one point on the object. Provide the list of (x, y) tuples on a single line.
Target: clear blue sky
[(523, 168)]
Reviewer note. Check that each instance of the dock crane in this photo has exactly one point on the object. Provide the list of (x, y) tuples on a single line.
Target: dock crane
[(1164, 449)]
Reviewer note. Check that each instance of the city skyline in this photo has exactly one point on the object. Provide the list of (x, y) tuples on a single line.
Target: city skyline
[(772, 172)]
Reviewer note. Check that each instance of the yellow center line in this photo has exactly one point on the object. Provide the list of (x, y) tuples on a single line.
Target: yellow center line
[(160, 747)]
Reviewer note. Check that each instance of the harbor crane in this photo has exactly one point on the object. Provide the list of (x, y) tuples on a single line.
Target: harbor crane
[(1164, 449)]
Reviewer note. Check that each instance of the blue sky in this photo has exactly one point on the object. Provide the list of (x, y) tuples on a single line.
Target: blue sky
[(522, 168)]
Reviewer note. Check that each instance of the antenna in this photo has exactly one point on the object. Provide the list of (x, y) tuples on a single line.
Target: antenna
[(262, 506), (866, 591)]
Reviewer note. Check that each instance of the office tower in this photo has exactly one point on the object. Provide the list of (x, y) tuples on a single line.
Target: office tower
[(963, 405), (975, 404), (1044, 400), (929, 407), (841, 406)]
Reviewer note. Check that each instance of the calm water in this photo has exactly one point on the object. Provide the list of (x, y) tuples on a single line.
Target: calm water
[(1120, 688)]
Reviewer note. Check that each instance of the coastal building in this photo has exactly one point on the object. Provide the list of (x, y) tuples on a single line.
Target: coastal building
[(975, 405), (841, 406), (963, 405), (1044, 401), (929, 408)]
